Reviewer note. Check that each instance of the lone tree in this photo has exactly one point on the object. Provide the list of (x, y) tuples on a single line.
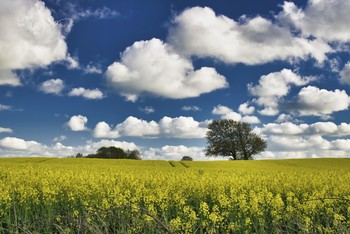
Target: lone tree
[(236, 140)]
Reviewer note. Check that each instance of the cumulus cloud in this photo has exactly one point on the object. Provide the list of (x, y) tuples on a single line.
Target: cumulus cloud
[(103, 130), (318, 128), (199, 31), (169, 152), (133, 126), (8, 77), (298, 143), (179, 127), (17, 147), (53, 86), (153, 67), (320, 139), (17, 144), (5, 130), (273, 86), (341, 144), (182, 127), (29, 38), (324, 19), (227, 113), (345, 74), (319, 102), (77, 123), (86, 93), (245, 109)]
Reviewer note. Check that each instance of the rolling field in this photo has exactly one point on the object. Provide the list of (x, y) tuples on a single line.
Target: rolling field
[(51, 195)]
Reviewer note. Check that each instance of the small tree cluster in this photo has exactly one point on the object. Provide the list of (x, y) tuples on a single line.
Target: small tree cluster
[(113, 153), (186, 158)]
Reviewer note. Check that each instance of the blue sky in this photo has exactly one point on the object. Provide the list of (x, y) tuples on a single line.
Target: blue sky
[(151, 75)]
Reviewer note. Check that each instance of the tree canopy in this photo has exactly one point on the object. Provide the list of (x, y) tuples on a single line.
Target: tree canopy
[(114, 153), (229, 138), (187, 158)]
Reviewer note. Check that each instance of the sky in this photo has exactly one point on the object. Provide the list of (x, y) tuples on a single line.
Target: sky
[(151, 75)]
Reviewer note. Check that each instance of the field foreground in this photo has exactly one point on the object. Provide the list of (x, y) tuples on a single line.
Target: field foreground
[(50, 195)]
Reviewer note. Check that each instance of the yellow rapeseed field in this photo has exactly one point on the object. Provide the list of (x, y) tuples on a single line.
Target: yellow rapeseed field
[(51, 195)]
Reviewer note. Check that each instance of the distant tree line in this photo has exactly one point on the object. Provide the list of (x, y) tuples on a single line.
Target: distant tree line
[(113, 152)]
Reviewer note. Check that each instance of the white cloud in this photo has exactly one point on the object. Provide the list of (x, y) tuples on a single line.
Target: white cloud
[(179, 127), (305, 154), (20, 148), (17, 147), (320, 139), (60, 138), (147, 109), (103, 130), (5, 107), (182, 127), (227, 113), (318, 128), (298, 143), (77, 123), (273, 86), (17, 144), (319, 102), (345, 74), (324, 19), (92, 147), (72, 62), (342, 144), (29, 38), (91, 69), (191, 108), (174, 152), (245, 109), (169, 152), (286, 128), (5, 130), (250, 119), (100, 13), (199, 31), (277, 83), (8, 77), (133, 126), (153, 67), (86, 93), (284, 118), (53, 86)]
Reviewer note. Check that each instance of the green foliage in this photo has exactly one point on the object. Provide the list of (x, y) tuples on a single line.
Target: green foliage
[(79, 155), (186, 158), (115, 153), (233, 139), (134, 154)]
